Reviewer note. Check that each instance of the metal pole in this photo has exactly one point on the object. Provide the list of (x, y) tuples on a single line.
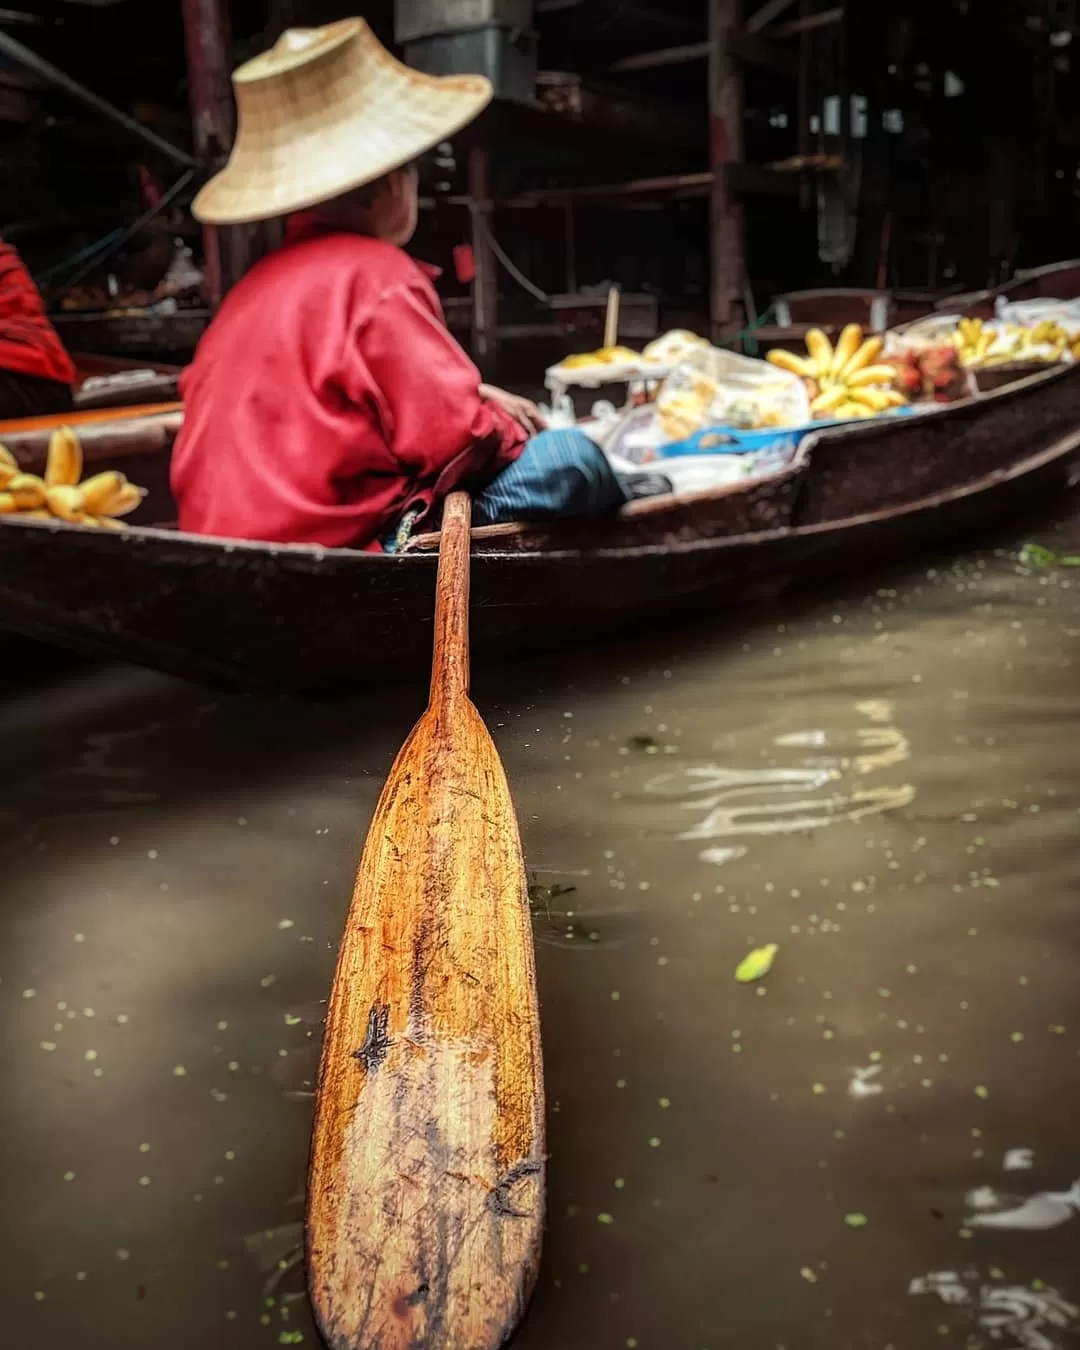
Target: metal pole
[(47, 71), (485, 283), (726, 149)]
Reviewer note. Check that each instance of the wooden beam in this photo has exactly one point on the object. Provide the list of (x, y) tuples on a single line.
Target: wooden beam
[(765, 15), (725, 151), (750, 50), (207, 35), (666, 56), (825, 19)]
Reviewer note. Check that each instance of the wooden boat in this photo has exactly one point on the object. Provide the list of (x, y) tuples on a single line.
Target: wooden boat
[(1055, 281), (113, 382), (264, 617)]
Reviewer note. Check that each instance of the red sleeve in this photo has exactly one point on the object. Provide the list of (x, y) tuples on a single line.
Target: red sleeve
[(437, 425), (28, 342)]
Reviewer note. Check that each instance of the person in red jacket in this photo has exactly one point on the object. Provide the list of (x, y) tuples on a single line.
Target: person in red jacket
[(36, 373), (328, 403)]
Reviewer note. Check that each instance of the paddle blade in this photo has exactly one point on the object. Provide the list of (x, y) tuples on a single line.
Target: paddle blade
[(426, 1189)]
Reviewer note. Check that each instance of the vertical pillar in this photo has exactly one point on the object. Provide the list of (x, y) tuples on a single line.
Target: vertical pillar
[(207, 41), (485, 283), (726, 148)]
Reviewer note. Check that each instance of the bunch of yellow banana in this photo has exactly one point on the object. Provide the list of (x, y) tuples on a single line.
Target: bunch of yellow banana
[(981, 344), (973, 341), (843, 381), (96, 501)]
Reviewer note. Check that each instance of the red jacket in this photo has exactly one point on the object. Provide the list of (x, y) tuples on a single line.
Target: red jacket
[(327, 397), (29, 344)]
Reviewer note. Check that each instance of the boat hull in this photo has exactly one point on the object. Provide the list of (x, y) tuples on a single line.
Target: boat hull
[(264, 618)]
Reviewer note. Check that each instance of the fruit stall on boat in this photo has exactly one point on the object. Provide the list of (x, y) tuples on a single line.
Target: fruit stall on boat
[(783, 471)]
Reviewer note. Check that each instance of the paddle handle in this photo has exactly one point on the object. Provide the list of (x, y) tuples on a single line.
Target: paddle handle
[(450, 665)]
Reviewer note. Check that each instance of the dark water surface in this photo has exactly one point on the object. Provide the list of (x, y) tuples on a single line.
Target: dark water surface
[(876, 1146)]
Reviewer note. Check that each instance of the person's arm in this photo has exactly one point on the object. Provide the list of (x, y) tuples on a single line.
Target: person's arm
[(437, 424)]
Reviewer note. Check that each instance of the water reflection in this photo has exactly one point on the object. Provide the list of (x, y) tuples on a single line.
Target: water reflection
[(740, 802)]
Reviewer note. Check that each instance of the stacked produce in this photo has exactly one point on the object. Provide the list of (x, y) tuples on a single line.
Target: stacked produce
[(933, 372), (97, 501), (982, 344), (843, 381)]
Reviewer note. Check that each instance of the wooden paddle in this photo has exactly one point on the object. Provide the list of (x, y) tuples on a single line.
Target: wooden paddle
[(426, 1185)]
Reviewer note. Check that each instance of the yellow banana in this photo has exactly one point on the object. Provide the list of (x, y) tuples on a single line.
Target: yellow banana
[(830, 400), (894, 398), (874, 399), (797, 365), (820, 349), (92, 522), (850, 341), (38, 513), (9, 466), (872, 375), (99, 491), (63, 468), (106, 522), (864, 356), (28, 491), (66, 501), (124, 501), (7, 504)]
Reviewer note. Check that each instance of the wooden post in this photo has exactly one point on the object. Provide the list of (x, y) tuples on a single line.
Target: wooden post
[(485, 283), (726, 148), (207, 38)]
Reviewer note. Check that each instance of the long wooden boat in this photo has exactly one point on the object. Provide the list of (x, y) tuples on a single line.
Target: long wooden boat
[(241, 615), (114, 382), (1055, 281)]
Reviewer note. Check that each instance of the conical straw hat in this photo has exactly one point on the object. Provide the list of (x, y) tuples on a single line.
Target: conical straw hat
[(324, 111)]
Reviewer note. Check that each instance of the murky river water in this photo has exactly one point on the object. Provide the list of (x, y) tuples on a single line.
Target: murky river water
[(875, 1146)]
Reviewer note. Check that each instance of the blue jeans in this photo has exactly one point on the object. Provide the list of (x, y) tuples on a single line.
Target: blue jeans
[(559, 473)]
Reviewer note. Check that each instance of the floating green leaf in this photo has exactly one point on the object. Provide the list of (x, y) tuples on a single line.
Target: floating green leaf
[(757, 964), (1035, 555), (856, 1220)]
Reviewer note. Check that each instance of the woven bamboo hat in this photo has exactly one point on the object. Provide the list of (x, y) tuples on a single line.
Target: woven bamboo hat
[(324, 111)]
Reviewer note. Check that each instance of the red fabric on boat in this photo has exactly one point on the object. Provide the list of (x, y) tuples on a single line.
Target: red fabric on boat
[(328, 397), (29, 344)]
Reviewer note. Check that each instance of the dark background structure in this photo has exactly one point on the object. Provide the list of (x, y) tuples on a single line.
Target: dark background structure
[(703, 154)]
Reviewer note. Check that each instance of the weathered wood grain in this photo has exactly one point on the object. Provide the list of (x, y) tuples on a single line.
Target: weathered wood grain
[(426, 1188)]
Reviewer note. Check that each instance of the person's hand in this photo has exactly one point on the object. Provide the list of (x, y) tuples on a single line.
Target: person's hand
[(522, 410)]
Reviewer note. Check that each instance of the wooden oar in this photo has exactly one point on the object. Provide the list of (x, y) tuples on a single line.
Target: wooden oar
[(426, 1186)]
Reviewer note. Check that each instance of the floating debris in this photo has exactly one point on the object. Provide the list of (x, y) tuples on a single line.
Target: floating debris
[(1036, 555), (756, 964), (856, 1220)]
